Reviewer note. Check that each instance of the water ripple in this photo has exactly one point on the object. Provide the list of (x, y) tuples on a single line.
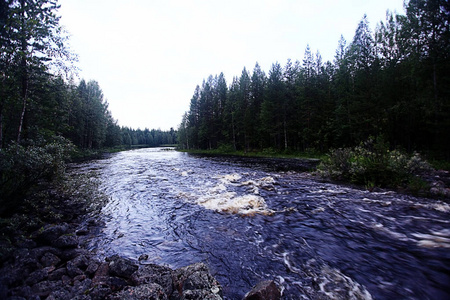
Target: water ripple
[(249, 222)]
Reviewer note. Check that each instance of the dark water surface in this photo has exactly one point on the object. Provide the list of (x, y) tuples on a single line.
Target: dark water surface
[(249, 223)]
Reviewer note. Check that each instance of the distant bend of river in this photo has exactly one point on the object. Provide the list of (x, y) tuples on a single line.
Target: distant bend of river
[(249, 222)]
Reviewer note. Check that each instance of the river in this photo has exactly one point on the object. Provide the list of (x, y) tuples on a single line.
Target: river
[(250, 221)]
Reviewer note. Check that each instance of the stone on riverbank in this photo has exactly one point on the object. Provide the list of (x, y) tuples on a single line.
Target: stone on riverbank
[(265, 290), (55, 268)]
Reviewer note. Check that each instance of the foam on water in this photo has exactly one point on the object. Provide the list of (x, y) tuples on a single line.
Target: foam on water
[(231, 203), (219, 198), (335, 285), (434, 239)]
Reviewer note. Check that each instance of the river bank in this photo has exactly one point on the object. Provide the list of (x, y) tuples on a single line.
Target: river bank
[(156, 208), (434, 183), (44, 256), (51, 262)]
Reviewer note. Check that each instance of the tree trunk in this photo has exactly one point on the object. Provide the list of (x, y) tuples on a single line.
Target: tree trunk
[(1, 126), (23, 64)]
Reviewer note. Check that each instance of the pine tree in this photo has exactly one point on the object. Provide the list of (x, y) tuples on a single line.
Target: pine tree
[(32, 41)]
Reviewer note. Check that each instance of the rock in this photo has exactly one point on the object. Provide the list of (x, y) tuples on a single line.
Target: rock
[(57, 274), (92, 267), (80, 262), (201, 295), (117, 283), (143, 257), (121, 267), (196, 282), (144, 291), (43, 288), (71, 253), (66, 241), (265, 290), (60, 294), (154, 274), (22, 292), (82, 231), (41, 251), (81, 288), (66, 280), (36, 277), (49, 259), (100, 292), (101, 275), (73, 270), (50, 232)]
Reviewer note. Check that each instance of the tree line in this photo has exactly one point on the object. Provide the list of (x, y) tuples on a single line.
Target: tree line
[(38, 100), (393, 82)]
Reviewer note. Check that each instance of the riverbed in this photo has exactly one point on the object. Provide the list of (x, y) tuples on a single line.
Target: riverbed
[(250, 221)]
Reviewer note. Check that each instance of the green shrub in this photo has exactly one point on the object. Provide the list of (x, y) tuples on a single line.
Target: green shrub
[(373, 164), (23, 167)]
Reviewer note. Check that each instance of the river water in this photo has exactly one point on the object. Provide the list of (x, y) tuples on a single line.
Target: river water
[(250, 222)]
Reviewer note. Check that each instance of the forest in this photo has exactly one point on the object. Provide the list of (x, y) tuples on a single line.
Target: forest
[(392, 83), (47, 115), (39, 99)]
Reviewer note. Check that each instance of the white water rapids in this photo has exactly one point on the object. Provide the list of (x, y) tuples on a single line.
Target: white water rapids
[(249, 222)]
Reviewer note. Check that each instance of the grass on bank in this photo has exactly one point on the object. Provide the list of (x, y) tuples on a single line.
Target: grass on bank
[(265, 153), (370, 164)]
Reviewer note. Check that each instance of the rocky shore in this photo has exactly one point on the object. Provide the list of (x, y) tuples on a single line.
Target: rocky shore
[(51, 263)]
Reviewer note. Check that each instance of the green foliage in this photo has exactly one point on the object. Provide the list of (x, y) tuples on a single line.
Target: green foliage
[(373, 164), (22, 167)]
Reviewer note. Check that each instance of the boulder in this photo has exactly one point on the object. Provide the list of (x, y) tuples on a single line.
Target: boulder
[(81, 262), (121, 267), (51, 232), (154, 274), (195, 282), (65, 241), (265, 290), (36, 276), (49, 259), (144, 291)]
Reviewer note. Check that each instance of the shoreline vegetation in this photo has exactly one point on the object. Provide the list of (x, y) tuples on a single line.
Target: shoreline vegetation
[(371, 165)]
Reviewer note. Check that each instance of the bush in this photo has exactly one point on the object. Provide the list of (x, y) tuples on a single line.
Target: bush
[(23, 167), (373, 164)]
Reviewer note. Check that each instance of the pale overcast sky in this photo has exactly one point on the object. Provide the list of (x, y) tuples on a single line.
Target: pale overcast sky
[(149, 55)]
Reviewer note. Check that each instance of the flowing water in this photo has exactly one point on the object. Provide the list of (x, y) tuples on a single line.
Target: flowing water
[(249, 222)]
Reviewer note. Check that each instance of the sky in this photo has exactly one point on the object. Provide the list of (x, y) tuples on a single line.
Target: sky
[(149, 55)]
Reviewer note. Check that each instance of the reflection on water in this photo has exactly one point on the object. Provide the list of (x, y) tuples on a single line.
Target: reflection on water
[(249, 222)]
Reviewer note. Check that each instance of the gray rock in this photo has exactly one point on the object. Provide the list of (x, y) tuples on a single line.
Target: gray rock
[(36, 277), (151, 291), (71, 253), (92, 267), (200, 295), (66, 241), (265, 290), (49, 259), (50, 232), (73, 270), (143, 257), (101, 275), (81, 262), (154, 274), (196, 282), (44, 288), (121, 267), (82, 231), (57, 274)]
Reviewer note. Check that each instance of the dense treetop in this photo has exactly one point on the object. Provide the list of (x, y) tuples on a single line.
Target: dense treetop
[(394, 82)]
